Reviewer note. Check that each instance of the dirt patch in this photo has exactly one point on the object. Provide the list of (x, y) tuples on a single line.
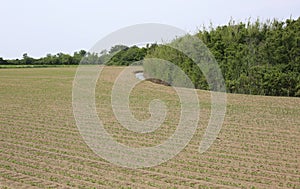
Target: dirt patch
[(158, 81)]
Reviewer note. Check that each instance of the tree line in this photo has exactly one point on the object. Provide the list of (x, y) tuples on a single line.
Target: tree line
[(58, 59), (258, 58), (261, 58)]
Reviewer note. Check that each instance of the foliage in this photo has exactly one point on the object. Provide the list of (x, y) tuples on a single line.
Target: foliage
[(58, 59), (124, 56), (260, 58), (255, 58)]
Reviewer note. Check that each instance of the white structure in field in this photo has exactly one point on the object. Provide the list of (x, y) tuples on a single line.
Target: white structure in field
[(140, 75)]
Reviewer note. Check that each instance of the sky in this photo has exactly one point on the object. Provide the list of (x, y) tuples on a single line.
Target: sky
[(40, 27)]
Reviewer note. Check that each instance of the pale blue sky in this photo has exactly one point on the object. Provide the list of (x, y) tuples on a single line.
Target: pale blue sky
[(38, 27)]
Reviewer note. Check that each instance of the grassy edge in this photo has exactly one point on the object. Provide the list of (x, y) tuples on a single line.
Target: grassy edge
[(34, 66)]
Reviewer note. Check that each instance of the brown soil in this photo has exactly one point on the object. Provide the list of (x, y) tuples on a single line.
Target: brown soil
[(41, 147)]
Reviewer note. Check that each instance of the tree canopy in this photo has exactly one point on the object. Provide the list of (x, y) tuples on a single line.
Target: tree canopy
[(255, 58)]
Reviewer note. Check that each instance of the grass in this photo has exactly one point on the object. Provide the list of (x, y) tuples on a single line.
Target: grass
[(34, 66), (258, 146)]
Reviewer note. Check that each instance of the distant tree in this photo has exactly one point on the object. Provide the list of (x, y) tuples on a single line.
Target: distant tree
[(65, 59), (77, 57), (2, 61), (117, 48), (27, 60), (127, 55)]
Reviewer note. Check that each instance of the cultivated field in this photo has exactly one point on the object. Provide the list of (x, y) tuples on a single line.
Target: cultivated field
[(41, 147)]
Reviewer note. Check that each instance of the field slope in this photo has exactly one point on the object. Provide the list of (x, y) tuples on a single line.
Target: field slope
[(41, 147)]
